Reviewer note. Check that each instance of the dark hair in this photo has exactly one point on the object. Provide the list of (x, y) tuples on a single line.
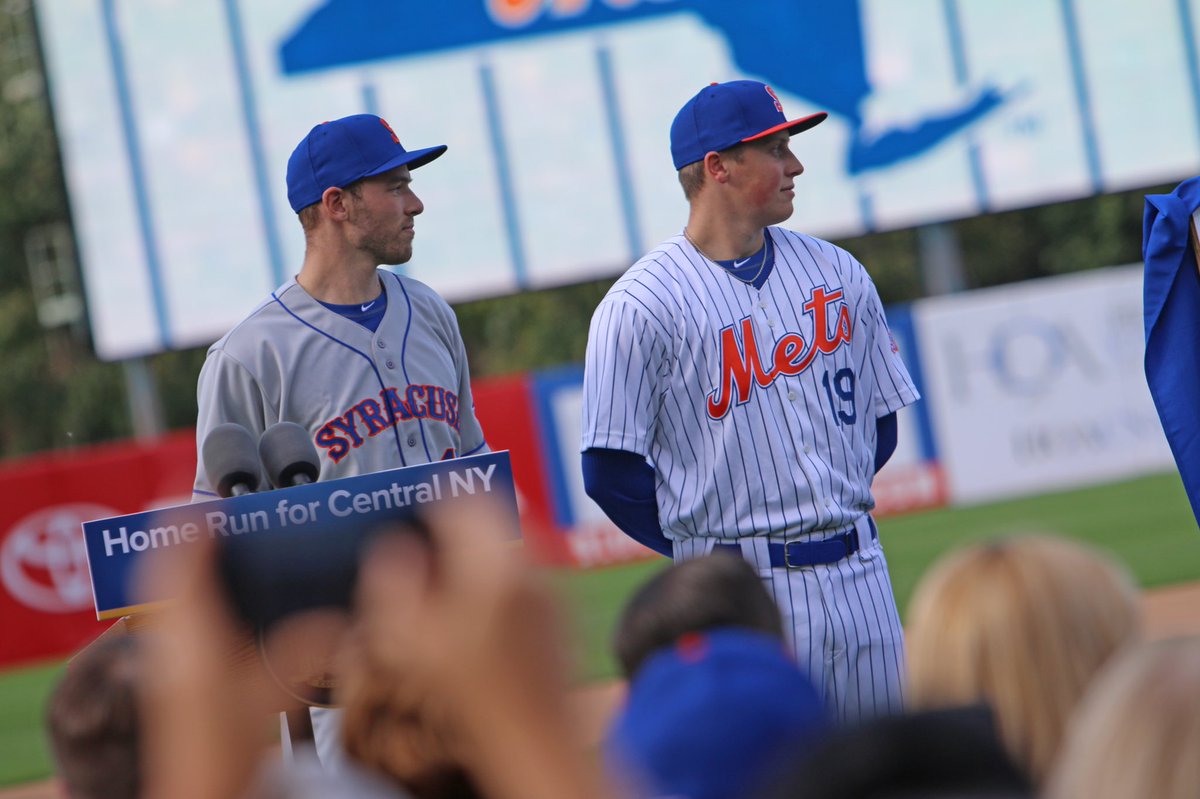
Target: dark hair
[(92, 720), (719, 590), (938, 754)]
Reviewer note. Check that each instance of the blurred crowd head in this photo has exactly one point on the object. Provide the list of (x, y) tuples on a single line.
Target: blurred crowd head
[(1020, 624)]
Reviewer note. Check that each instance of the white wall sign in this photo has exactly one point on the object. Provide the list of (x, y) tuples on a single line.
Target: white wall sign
[(1039, 386)]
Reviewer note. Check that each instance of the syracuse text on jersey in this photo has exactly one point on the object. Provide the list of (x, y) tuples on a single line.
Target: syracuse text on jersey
[(370, 417), (741, 366)]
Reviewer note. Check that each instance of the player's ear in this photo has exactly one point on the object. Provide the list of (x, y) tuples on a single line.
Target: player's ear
[(715, 167), (333, 200)]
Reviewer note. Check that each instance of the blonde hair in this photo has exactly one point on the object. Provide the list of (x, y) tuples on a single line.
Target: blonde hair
[(1137, 730), (691, 176), (1021, 624)]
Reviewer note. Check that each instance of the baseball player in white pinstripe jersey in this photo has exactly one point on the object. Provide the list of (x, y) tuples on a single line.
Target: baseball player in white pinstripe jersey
[(740, 393), (370, 362)]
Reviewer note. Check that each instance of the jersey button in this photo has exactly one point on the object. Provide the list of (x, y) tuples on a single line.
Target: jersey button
[(412, 441), (807, 449), (792, 396), (770, 323), (762, 303), (381, 344), (390, 364)]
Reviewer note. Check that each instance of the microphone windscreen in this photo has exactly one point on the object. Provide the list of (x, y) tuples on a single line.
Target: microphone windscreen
[(231, 458), (288, 454)]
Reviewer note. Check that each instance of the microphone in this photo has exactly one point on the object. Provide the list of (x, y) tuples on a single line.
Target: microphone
[(289, 456), (231, 460)]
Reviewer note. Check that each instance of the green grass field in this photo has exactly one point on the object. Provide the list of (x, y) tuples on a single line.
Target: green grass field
[(23, 695), (1145, 522)]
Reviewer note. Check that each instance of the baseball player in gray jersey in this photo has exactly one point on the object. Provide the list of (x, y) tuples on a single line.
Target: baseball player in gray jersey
[(371, 363), (740, 392)]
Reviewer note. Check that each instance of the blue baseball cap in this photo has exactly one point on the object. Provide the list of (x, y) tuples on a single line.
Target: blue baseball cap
[(724, 114), (713, 716), (340, 152)]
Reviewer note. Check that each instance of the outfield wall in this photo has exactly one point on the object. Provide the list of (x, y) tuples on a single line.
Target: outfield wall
[(1028, 388)]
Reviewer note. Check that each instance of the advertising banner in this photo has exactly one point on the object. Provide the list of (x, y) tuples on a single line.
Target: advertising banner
[(590, 537), (508, 413), (1038, 386), (45, 594), (912, 479)]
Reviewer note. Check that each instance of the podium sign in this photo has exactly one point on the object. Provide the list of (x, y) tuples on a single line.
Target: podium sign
[(345, 508)]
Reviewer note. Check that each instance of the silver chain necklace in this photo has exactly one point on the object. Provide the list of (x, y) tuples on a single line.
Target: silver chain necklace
[(762, 264)]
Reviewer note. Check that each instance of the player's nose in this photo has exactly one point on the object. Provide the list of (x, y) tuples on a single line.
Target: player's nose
[(415, 206)]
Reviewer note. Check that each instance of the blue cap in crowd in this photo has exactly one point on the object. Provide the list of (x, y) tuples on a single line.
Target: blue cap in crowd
[(711, 715), (725, 114), (340, 152)]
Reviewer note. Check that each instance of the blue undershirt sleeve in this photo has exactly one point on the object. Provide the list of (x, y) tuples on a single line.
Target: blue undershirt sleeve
[(885, 439), (622, 484)]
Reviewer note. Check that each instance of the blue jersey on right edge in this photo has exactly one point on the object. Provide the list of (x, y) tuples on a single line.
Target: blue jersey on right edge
[(1172, 319)]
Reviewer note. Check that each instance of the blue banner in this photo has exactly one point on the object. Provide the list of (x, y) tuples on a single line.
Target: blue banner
[(347, 509)]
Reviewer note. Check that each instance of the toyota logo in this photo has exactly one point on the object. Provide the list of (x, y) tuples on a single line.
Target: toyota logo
[(43, 561)]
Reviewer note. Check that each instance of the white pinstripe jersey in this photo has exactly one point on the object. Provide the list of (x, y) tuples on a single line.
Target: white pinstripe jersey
[(756, 408), (371, 401)]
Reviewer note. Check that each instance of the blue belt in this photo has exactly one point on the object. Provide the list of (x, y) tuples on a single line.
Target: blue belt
[(796, 554)]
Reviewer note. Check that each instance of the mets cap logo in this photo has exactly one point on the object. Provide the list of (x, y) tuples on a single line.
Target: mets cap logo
[(778, 105), (43, 561), (395, 138)]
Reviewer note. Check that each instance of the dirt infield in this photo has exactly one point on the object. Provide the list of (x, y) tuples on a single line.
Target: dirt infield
[(1172, 611), (1169, 612)]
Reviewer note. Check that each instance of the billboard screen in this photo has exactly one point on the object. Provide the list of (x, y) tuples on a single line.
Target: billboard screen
[(176, 118)]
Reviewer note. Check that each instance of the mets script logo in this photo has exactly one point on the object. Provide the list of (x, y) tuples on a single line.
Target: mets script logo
[(742, 368), (372, 416)]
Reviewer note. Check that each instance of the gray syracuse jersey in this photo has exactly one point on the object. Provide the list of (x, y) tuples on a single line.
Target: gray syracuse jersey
[(398, 397)]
